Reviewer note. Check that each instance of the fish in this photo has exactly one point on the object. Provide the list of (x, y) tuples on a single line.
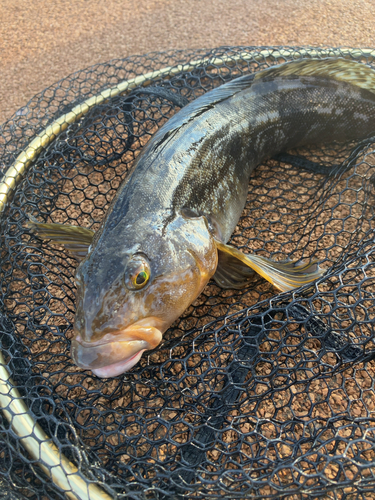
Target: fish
[(165, 234)]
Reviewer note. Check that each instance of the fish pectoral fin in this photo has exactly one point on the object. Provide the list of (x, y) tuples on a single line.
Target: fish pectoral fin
[(76, 240), (235, 269), (231, 272)]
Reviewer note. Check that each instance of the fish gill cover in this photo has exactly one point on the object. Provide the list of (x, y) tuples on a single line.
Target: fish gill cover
[(251, 394)]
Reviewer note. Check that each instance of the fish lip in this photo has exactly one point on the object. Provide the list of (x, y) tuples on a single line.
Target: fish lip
[(92, 358), (116, 369), (122, 335), (114, 351)]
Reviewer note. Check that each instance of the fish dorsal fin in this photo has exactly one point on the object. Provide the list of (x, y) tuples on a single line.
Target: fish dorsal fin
[(344, 70), (221, 93), (75, 239), (199, 106), (339, 69)]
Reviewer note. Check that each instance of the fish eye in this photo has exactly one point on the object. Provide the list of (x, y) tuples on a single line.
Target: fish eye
[(137, 272)]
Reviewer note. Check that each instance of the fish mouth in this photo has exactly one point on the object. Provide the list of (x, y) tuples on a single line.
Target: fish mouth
[(116, 353)]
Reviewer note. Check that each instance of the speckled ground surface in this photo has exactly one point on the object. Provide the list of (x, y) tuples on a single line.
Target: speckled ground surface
[(42, 41)]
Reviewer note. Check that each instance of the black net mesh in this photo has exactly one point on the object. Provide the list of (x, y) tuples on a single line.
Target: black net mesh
[(251, 394)]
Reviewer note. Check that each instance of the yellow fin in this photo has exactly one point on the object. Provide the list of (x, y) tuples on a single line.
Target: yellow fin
[(74, 238), (231, 272), (340, 69), (283, 275)]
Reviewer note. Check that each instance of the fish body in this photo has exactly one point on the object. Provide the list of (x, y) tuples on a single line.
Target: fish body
[(164, 235)]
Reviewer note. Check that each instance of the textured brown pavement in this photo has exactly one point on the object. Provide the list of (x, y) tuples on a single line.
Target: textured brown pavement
[(43, 41)]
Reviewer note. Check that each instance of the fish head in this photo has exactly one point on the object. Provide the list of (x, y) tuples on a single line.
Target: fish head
[(129, 294)]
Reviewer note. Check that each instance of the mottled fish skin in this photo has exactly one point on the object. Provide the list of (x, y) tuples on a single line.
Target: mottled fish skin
[(206, 164), (199, 163)]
